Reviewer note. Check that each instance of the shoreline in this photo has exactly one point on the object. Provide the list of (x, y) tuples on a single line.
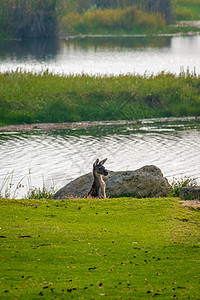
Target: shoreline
[(84, 124), (82, 36), (64, 125), (180, 24)]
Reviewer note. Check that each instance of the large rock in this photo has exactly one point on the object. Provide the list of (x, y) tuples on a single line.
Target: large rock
[(147, 181)]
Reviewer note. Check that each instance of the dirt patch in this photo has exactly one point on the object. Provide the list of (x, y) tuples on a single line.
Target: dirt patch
[(191, 203)]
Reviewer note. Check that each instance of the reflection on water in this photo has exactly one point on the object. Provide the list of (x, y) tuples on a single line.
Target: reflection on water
[(105, 56), (36, 49), (62, 155), (119, 43)]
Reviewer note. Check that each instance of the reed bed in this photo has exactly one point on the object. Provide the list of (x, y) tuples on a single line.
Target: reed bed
[(129, 19), (27, 98)]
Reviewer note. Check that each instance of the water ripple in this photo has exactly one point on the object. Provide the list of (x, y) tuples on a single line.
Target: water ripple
[(60, 157)]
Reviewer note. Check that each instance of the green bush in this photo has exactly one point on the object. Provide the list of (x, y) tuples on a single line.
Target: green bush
[(186, 9), (70, 22), (40, 193), (129, 19), (183, 13)]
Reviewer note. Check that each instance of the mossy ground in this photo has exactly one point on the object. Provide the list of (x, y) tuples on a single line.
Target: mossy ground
[(87, 249)]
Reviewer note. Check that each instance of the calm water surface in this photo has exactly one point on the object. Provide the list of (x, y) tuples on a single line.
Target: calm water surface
[(103, 55), (57, 157)]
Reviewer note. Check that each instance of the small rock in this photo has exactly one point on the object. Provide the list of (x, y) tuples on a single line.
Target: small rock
[(190, 192)]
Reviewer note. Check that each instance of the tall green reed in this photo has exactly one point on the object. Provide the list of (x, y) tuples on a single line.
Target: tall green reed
[(44, 98)]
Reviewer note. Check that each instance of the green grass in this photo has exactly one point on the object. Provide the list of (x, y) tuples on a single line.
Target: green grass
[(27, 98), (186, 9), (87, 249)]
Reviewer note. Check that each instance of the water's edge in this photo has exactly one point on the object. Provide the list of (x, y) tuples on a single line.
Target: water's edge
[(64, 125), (86, 124)]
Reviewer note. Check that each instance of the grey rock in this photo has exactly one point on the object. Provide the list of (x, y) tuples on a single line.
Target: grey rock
[(190, 192), (147, 181)]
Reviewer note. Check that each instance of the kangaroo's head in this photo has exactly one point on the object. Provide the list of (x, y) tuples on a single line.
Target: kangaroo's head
[(99, 169)]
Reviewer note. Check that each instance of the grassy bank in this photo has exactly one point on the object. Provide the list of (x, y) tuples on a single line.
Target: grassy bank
[(87, 249), (186, 9), (29, 98)]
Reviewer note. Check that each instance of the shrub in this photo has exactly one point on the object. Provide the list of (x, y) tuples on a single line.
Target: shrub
[(183, 13), (129, 19), (40, 193), (149, 22), (163, 7), (178, 184), (98, 19), (71, 22)]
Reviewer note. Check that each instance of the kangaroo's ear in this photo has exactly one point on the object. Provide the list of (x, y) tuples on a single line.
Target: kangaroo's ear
[(103, 161), (96, 163)]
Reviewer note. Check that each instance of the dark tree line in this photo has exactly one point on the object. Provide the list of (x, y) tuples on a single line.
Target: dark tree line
[(29, 18)]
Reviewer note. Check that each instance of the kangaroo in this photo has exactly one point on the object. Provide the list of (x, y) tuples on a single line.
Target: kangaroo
[(98, 186)]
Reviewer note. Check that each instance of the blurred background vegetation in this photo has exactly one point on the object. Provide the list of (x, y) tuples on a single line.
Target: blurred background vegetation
[(47, 18), (28, 18)]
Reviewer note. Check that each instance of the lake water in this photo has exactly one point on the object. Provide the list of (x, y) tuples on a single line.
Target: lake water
[(103, 55), (56, 157)]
